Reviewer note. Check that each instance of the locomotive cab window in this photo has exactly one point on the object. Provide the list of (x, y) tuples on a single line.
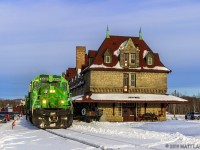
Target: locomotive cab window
[(64, 86), (56, 84), (43, 84), (35, 85)]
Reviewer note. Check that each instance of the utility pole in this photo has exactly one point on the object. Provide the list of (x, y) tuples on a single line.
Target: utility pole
[(174, 105)]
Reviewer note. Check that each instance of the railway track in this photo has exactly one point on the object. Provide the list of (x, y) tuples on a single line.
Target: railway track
[(98, 142), (74, 139)]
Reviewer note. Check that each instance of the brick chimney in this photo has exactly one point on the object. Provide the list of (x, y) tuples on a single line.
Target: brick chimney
[(80, 57)]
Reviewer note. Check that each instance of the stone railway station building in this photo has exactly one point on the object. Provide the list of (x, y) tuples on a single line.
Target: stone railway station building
[(124, 78)]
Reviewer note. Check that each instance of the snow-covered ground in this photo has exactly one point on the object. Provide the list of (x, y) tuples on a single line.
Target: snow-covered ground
[(24, 136), (170, 134)]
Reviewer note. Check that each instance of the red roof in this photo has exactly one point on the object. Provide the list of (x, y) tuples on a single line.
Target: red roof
[(71, 70), (86, 61), (113, 43), (92, 53), (70, 73)]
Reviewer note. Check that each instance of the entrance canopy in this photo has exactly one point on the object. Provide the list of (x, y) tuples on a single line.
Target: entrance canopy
[(128, 98)]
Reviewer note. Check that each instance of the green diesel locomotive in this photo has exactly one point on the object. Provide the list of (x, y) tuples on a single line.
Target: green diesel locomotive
[(48, 103)]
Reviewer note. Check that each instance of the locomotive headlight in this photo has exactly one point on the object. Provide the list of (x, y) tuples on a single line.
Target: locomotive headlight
[(62, 102), (44, 101), (52, 91)]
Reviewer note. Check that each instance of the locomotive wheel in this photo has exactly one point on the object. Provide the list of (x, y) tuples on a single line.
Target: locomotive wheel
[(29, 116), (30, 119), (69, 120)]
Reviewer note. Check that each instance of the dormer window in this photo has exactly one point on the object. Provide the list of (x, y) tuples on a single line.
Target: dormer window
[(126, 55), (129, 54), (133, 58), (150, 60), (107, 59)]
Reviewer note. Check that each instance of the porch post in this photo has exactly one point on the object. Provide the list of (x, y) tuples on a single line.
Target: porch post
[(136, 116)]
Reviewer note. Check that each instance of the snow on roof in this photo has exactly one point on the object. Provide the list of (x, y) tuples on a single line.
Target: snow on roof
[(135, 97), (116, 53), (157, 68), (117, 66), (78, 97), (99, 66), (146, 97), (145, 53)]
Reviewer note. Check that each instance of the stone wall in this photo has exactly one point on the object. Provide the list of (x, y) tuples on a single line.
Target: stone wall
[(108, 114), (151, 80), (107, 79), (115, 115), (112, 82)]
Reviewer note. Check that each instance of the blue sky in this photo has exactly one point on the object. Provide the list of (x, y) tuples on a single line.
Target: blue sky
[(40, 36)]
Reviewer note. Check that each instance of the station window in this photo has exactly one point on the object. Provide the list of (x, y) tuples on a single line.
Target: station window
[(133, 80), (133, 58)]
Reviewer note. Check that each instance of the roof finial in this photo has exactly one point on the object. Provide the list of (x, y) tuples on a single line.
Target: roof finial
[(107, 32), (140, 34)]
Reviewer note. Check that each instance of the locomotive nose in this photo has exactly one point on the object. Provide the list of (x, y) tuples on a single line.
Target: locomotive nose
[(52, 89), (50, 97)]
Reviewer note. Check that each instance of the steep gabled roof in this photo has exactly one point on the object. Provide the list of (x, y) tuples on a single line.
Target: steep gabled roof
[(92, 53), (113, 43)]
